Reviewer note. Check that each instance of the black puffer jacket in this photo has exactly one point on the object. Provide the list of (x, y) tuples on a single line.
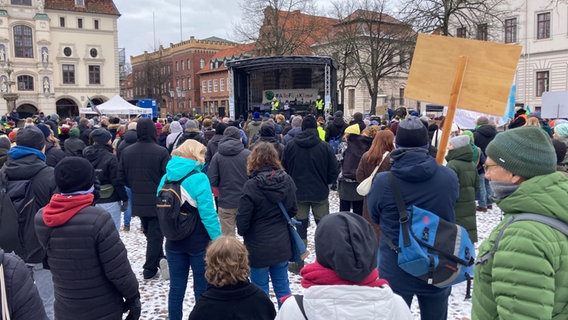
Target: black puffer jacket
[(228, 171), (53, 154), (483, 135), (141, 168), (90, 268), (21, 292), (260, 220), (312, 164), (106, 168), (85, 133), (74, 147), (19, 172)]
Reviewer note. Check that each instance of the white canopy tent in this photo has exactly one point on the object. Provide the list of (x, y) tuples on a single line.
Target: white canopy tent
[(117, 105)]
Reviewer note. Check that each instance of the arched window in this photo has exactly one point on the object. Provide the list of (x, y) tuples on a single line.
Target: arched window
[(23, 42), (25, 83)]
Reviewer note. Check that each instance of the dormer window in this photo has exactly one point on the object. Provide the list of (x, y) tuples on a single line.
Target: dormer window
[(80, 3), (211, 65)]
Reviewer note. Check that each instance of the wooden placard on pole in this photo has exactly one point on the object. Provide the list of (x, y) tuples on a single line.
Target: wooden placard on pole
[(487, 81), (461, 73)]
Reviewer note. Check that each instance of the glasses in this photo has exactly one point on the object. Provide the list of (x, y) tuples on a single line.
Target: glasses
[(487, 166)]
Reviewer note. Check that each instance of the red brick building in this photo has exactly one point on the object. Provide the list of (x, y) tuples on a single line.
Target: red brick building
[(214, 86), (169, 75)]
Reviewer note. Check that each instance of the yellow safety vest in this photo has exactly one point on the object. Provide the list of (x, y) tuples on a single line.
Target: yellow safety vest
[(275, 105)]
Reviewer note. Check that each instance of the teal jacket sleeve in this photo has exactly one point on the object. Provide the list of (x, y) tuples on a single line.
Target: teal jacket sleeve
[(199, 189)]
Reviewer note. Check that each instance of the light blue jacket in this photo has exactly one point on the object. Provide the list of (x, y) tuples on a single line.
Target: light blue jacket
[(196, 190)]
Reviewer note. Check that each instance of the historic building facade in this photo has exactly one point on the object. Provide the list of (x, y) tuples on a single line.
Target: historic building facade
[(55, 55), (170, 75)]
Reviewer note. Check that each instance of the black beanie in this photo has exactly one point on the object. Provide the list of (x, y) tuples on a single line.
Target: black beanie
[(345, 242), (358, 117), (74, 174), (411, 133), (267, 130), (31, 137), (309, 122), (220, 129)]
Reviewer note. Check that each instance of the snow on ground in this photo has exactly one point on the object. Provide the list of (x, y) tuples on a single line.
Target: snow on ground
[(154, 292)]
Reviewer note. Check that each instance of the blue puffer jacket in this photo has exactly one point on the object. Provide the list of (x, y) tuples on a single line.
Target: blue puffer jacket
[(196, 190), (423, 183)]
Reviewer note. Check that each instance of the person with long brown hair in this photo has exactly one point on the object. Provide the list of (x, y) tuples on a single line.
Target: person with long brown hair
[(378, 155), (260, 220)]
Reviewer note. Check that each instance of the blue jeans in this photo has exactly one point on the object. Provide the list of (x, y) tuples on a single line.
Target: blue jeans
[(178, 265), (484, 191), (279, 277), (113, 208), (128, 212), (44, 283), (433, 306)]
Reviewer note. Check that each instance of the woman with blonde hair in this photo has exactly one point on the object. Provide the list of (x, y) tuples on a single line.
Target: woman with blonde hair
[(186, 166), (260, 220), (230, 294), (378, 155)]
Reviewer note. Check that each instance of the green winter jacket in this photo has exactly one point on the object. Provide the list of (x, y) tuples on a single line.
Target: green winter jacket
[(459, 160), (528, 276)]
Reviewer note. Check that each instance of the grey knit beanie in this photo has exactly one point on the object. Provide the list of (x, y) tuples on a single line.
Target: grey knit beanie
[(459, 141), (526, 152)]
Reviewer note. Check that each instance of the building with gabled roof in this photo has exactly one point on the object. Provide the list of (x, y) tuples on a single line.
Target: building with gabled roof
[(61, 52)]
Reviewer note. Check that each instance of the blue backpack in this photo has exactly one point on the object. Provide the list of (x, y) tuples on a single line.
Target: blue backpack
[(334, 143), (430, 248)]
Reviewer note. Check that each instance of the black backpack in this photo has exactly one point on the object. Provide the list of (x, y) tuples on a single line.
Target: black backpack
[(17, 227), (177, 220)]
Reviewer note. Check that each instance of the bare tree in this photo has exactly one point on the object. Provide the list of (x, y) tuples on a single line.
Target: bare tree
[(377, 46), (281, 27), (152, 78), (439, 15)]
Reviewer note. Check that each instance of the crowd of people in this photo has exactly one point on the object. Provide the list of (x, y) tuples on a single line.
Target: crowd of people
[(68, 186)]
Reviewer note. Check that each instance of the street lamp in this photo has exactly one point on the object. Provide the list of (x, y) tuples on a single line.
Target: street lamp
[(180, 95)]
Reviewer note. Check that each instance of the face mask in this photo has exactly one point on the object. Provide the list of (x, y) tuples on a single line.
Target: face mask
[(501, 190)]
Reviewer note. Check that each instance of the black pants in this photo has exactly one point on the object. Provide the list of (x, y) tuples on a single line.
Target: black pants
[(357, 206), (154, 243)]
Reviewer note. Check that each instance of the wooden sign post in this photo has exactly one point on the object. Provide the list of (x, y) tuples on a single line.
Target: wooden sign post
[(452, 106), (461, 73)]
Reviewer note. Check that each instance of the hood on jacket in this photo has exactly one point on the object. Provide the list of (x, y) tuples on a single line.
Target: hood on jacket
[(146, 130), (255, 123), (95, 152), (230, 146), (179, 167), (413, 164), (61, 209), (130, 136), (307, 138), (175, 127), (23, 168), (338, 122), (273, 183), (464, 153), (487, 131)]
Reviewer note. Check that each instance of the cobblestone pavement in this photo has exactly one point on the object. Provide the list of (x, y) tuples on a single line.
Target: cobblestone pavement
[(154, 292)]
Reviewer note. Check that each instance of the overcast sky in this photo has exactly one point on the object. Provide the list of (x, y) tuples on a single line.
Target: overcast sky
[(200, 18)]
